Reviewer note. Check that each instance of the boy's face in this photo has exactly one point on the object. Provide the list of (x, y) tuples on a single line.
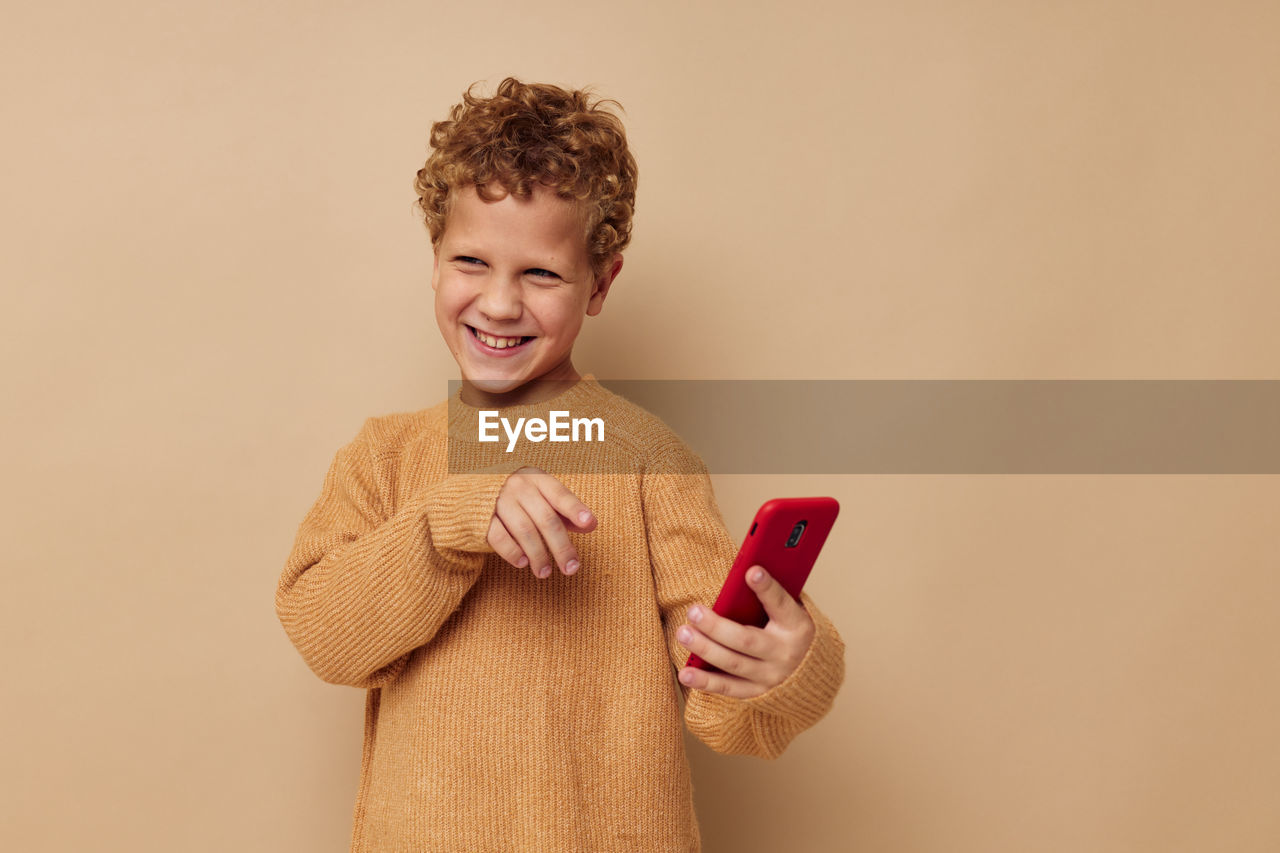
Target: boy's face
[(512, 282)]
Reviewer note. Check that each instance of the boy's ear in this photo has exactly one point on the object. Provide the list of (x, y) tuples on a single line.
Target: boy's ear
[(603, 281)]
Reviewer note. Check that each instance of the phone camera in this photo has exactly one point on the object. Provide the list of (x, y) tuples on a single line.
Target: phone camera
[(796, 533)]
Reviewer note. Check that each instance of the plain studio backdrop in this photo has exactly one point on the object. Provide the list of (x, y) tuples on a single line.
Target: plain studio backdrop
[(213, 273)]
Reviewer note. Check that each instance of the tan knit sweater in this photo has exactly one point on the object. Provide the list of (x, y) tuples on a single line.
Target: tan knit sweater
[(508, 713)]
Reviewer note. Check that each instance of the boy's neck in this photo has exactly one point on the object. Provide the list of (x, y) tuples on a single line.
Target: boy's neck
[(534, 391)]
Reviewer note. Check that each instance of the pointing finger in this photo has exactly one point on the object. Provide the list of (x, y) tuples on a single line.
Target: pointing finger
[(578, 515)]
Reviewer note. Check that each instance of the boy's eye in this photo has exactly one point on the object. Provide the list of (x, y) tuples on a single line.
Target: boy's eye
[(466, 259), (541, 273)]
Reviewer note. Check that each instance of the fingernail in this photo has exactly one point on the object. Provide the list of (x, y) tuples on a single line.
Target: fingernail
[(523, 561), (584, 516), (686, 677), (757, 576), (544, 572), (684, 635), (571, 567), (695, 614)]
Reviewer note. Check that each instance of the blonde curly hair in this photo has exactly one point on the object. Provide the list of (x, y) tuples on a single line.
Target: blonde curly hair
[(530, 133)]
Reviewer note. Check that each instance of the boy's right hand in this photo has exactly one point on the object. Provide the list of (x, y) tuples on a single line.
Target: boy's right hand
[(534, 508)]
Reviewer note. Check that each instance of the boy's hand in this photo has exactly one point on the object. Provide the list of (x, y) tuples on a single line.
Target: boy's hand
[(753, 660), (534, 508)]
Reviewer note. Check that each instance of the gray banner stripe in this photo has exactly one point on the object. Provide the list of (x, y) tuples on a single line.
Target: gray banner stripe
[(971, 426)]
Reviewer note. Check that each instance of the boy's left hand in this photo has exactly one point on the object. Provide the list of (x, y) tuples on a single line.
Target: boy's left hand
[(753, 660)]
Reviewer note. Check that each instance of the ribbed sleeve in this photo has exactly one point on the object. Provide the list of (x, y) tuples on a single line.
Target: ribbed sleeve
[(362, 588), (691, 553)]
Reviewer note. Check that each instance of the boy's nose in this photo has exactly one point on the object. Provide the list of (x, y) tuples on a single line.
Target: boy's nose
[(501, 301)]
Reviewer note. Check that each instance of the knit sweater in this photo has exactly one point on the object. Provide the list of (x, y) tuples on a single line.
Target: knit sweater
[(504, 712)]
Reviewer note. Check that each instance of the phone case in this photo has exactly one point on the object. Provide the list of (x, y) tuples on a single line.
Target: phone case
[(769, 544)]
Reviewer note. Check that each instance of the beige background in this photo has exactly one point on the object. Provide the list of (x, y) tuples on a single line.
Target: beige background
[(212, 275)]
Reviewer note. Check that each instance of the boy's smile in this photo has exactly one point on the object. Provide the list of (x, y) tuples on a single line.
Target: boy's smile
[(513, 281)]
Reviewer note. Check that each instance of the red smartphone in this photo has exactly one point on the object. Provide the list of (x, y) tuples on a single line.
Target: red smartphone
[(785, 537)]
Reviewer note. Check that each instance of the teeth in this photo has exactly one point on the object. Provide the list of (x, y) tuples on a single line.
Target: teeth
[(496, 342)]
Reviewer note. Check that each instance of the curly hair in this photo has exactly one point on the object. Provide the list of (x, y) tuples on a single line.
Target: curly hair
[(535, 133)]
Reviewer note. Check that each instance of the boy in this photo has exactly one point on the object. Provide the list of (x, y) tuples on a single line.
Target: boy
[(512, 705)]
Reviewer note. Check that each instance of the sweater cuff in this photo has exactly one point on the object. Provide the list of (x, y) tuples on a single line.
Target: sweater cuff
[(460, 508), (808, 693)]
